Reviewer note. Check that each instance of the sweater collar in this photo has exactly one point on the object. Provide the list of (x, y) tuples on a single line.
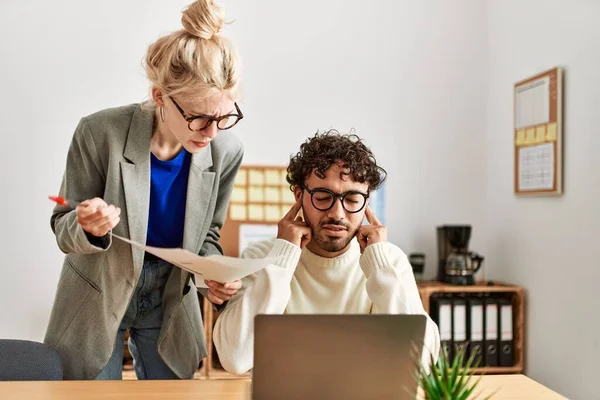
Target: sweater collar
[(349, 257)]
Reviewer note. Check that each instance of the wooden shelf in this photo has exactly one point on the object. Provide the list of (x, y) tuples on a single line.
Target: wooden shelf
[(427, 288), (480, 286), (498, 370)]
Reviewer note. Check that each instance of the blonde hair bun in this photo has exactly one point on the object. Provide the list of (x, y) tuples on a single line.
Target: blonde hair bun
[(195, 62), (203, 19)]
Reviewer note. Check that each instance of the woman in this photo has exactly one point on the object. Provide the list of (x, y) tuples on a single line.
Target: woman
[(159, 173)]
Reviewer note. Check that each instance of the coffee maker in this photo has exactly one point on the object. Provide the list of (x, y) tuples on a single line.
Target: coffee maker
[(457, 265)]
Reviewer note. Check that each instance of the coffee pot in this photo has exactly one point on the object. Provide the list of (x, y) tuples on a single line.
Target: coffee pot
[(457, 265)]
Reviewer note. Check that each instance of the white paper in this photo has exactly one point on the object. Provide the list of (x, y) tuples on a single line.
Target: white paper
[(536, 167), (445, 322), (491, 322), (476, 323), (214, 267), (533, 103), (506, 322), (250, 233), (460, 322)]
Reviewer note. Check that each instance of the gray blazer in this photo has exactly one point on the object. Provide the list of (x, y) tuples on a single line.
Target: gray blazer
[(109, 158)]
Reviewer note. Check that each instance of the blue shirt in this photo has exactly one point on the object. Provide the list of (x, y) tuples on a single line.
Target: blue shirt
[(168, 193)]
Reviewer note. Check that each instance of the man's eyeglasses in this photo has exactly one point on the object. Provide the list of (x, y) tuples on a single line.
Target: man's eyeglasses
[(201, 122), (323, 199)]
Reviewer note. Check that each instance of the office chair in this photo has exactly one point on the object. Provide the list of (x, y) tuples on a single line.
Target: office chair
[(24, 360)]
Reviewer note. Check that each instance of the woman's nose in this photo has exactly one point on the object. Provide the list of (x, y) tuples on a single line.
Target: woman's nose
[(211, 131)]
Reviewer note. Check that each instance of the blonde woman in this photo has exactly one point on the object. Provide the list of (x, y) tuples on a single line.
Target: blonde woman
[(159, 173)]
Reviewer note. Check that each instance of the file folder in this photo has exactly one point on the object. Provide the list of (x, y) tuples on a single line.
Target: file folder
[(491, 332), (505, 327), (459, 326), (441, 312), (475, 329)]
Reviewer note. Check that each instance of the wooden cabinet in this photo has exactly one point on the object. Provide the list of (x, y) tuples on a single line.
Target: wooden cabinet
[(516, 293)]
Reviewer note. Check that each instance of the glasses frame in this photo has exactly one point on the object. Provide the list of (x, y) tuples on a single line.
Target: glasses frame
[(210, 119), (341, 196)]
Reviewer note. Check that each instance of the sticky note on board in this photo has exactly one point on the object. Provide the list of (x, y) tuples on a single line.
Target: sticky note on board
[(238, 195), (540, 134), (272, 177), (256, 177), (520, 140), (256, 194), (552, 134), (272, 195), (240, 178), (287, 196), (237, 212), (256, 213), (284, 177), (530, 135), (285, 209), (272, 213)]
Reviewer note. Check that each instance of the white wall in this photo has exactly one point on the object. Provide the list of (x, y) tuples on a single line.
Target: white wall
[(408, 76), (427, 83), (549, 245)]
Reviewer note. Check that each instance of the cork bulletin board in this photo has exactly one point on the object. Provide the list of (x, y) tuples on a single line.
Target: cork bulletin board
[(261, 197), (538, 135)]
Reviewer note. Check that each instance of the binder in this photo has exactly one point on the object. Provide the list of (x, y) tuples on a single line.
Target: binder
[(441, 312), (475, 330), (505, 327), (491, 332), (459, 326)]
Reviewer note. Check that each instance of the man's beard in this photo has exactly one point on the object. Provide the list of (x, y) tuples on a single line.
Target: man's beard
[(329, 243)]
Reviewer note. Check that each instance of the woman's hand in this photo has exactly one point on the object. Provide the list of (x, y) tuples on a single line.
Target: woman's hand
[(218, 293), (96, 217)]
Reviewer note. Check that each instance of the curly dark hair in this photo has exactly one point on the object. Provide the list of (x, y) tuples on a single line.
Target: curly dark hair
[(328, 148)]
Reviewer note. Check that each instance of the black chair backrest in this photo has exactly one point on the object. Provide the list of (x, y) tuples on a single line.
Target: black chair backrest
[(24, 360)]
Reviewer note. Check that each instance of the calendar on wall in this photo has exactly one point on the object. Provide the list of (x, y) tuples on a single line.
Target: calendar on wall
[(538, 134)]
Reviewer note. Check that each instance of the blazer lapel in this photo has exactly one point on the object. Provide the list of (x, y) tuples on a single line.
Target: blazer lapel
[(136, 180), (199, 195)]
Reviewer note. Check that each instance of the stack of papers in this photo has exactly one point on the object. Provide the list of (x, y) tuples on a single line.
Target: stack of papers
[(215, 267)]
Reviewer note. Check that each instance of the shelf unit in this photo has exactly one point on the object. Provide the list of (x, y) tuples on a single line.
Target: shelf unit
[(427, 288)]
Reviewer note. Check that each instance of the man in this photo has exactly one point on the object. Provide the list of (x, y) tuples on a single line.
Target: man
[(331, 263)]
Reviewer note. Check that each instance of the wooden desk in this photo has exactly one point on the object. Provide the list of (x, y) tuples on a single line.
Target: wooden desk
[(511, 387)]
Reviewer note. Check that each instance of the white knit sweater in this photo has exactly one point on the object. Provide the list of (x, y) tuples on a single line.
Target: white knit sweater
[(379, 281)]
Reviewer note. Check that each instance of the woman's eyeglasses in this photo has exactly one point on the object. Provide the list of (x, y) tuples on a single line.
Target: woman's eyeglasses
[(201, 122)]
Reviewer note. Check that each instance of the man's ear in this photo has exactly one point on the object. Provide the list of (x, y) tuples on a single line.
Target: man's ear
[(158, 96), (297, 194)]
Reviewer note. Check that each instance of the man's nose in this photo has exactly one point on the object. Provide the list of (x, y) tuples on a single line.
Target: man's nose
[(337, 211)]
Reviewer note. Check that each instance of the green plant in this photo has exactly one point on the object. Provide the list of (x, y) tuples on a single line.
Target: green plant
[(450, 380)]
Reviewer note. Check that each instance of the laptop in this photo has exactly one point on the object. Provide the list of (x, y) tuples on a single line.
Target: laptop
[(367, 356)]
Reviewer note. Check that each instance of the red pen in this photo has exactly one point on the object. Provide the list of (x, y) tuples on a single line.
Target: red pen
[(61, 201)]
